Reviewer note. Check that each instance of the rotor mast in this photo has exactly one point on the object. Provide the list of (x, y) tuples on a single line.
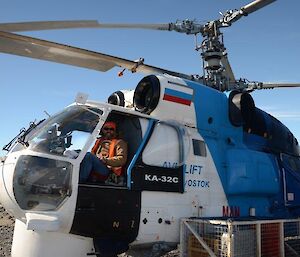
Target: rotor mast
[(217, 70)]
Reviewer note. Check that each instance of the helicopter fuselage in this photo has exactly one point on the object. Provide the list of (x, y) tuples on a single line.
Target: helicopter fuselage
[(194, 153)]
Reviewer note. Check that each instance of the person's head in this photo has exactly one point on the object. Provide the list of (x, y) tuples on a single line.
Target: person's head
[(109, 130)]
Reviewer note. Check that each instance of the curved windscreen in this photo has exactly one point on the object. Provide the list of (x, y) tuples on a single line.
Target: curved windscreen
[(41, 184), (67, 132)]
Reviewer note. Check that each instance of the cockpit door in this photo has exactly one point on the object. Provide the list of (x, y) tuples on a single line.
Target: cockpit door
[(158, 164)]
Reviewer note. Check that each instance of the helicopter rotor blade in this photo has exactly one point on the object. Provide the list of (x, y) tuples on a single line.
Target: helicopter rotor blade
[(255, 5), (50, 51), (50, 25), (271, 85), (163, 26), (185, 26), (47, 25), (234, 15)]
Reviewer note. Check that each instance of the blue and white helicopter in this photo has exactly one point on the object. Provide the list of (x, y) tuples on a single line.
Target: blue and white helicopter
[(194, 151)]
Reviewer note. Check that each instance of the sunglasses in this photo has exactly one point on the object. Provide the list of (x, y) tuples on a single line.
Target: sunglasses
[(108, 129)]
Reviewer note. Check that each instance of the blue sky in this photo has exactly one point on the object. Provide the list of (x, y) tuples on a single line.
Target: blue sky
[(263, 46)]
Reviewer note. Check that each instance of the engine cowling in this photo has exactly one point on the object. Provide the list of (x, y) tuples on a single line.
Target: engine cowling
[(147, 94), (165, 97), (122, 98)]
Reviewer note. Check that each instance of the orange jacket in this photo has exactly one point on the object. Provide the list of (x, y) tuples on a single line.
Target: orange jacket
[(115, 153)]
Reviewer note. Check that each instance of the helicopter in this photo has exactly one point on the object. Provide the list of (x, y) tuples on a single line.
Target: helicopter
[(215, 156)]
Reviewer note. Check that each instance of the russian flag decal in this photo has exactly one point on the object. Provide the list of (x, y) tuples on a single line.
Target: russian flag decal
[(177, 96)]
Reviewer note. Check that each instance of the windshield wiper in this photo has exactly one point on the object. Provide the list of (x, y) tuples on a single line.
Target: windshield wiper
[(8, 146), (20, 138)]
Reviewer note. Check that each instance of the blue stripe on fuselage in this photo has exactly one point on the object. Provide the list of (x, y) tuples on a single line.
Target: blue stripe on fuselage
[(211, 107), (225, 143)]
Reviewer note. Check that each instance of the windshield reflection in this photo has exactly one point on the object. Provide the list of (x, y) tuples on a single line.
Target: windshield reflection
[(67, 132)]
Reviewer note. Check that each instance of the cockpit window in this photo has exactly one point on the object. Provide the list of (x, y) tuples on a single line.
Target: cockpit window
[(292, 162), (41, 184), (67, 132), (199, 148)]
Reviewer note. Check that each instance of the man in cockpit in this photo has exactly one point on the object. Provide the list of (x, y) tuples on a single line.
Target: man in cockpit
[(108, 156)]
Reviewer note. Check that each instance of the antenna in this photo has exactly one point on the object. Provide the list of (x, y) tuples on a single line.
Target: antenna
[(81, 98)]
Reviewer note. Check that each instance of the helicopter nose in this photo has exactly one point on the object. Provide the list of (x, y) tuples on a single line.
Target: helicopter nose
[(33, 183), (7, 166), (40, 183)]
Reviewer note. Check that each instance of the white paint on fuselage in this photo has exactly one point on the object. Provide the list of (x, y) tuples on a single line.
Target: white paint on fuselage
[(206, 200)]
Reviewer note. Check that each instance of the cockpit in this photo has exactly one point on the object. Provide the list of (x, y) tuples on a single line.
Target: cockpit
[(42, 180)]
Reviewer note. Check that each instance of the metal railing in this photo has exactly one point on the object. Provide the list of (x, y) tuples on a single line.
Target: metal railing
[(232, 238)]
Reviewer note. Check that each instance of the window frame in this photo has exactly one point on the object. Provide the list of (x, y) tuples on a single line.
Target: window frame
[(157, 178)]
